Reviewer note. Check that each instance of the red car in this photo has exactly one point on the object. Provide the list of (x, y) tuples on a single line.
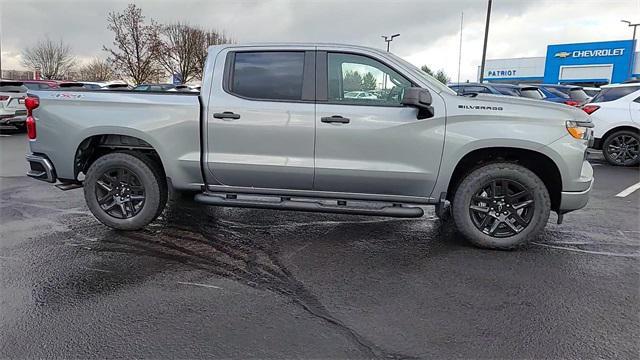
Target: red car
[(40, 84)]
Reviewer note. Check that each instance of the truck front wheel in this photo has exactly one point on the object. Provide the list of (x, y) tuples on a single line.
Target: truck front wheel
[(501, 206), (125, 190)]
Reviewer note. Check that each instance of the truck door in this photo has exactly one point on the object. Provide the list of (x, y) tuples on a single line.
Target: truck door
[(373, 144), (260, 121)]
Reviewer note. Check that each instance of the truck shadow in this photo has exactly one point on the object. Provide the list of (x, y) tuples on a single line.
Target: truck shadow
[(245, 245)]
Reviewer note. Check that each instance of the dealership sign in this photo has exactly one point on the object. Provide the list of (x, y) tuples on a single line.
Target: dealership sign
[(581, 57), (501, 73), (589, 53)]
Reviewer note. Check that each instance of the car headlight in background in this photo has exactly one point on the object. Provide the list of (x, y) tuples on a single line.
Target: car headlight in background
[(580, 130)]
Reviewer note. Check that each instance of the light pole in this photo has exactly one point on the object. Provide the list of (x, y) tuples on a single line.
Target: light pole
[(632, 56), (389, 39), (486, 37)]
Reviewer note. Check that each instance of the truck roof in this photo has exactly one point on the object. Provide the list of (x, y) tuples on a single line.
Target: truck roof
[(297, 44)]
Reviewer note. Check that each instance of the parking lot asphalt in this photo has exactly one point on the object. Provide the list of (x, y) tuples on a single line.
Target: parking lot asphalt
[(221, 282)]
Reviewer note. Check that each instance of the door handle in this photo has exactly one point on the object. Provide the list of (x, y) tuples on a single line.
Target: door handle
[(335, 119), (226, 115)]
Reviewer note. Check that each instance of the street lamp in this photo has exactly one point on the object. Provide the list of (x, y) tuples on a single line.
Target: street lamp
[(389, 39), (633, 50)]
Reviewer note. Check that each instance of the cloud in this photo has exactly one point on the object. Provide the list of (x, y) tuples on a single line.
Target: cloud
[(429, 29)]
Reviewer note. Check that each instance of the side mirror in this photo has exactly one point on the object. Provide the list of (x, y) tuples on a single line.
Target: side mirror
[(420, 99)]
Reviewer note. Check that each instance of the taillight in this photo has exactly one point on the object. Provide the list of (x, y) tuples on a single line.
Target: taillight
[(4, 98), (31, 127), (31, 103), (589, 109), (572, 103)]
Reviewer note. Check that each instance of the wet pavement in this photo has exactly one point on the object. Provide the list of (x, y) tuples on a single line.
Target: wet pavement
[(221, 282)]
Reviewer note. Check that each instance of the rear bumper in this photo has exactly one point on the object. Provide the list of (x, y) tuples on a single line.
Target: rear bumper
[(574, 200), (41, 168)]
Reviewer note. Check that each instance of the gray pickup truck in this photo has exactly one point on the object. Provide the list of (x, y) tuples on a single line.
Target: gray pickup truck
[(285, 126)]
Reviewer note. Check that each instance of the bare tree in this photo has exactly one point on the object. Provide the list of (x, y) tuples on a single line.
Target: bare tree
[(178, 49), (208, 38), (96, 70), (133, 52), (52, 59)]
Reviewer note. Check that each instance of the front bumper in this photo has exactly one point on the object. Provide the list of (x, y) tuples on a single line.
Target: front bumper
[(574, 200), (41, 168)]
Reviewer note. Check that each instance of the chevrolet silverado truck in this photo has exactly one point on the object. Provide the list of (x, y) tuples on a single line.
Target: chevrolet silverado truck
[(273, 128)]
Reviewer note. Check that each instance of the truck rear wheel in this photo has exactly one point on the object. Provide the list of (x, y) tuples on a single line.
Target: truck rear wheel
[(501, 206), (125, 190)]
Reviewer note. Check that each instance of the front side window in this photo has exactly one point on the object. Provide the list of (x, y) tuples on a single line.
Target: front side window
[(360, 80), (268, 75)]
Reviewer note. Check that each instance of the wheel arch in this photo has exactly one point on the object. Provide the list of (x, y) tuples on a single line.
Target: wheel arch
[(96, 145), (616, 129), (540, 164)]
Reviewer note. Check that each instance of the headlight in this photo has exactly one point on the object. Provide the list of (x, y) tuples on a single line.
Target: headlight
[(579, 130)]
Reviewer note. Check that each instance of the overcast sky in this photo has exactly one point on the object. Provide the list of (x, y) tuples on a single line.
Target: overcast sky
[(430, 30)]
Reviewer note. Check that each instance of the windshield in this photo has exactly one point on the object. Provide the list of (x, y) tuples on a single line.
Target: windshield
[(416, 71)]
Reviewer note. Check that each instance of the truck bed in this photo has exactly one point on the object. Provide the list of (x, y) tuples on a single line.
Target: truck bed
[(167, 121)]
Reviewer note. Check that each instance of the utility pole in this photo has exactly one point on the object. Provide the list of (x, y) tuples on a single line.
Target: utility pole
[(632, 56), (486, 37), (389, 39)]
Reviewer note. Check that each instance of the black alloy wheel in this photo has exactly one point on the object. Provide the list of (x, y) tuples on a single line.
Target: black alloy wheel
[(622, 149), (502, 208), (120, 193)]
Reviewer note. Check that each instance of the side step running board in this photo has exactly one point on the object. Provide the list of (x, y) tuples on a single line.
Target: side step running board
[(308, 204)]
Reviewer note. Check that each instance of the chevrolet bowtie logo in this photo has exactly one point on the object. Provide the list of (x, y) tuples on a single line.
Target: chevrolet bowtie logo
[(562, 54)]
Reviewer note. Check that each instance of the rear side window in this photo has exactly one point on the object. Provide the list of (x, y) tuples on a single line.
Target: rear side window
[(532, 94), (507, 90), (268, 75), (476, 90), (578, 94), (557, 93), (37, 86), (611, 94)]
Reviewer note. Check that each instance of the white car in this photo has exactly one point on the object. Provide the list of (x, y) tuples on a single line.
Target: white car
[(615, 112), (360, 95), (12, 107)]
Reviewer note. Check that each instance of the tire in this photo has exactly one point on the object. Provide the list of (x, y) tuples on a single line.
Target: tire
[(129, 176), (480, 198), (625, 140)]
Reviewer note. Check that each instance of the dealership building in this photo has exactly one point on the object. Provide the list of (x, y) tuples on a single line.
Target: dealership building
[(586, 64)]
